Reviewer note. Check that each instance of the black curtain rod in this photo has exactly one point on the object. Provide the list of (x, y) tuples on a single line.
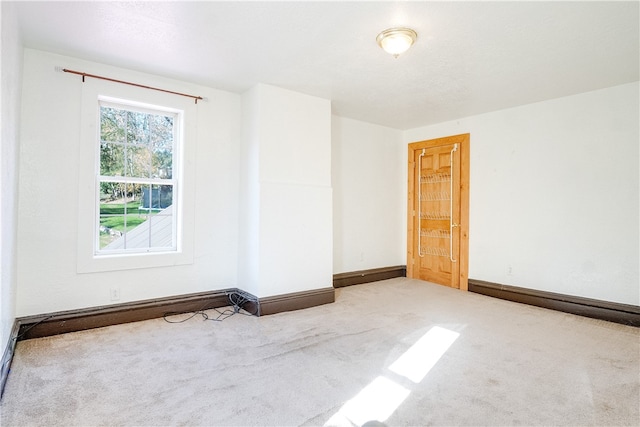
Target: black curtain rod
[(196, 98)]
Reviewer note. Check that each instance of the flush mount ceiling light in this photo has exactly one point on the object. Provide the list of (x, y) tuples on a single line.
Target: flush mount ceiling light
[(396, 40)]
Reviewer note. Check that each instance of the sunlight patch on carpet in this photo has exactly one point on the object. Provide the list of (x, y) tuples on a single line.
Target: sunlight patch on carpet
[(377, 401), (418, 360), (380, 399)]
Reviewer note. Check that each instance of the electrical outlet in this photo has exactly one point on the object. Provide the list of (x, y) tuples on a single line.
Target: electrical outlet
[(115, 294), (510, 271)]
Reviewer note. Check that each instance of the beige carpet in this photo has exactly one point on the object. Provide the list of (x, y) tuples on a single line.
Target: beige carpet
[(365, 357)]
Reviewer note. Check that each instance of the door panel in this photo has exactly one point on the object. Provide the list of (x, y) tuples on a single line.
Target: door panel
[(436, 190)]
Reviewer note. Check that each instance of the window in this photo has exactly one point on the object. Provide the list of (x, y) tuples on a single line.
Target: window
[(136, 187), (136, 184)]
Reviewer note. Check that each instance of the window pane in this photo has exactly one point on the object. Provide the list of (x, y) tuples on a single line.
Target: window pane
[(161, 163), (137, 128), (138, 161), (112, 217), (112, 124), (111, 159), (156, 197), (161, 129), (161, 229), (166, 195), (109, 231), (161, 224)]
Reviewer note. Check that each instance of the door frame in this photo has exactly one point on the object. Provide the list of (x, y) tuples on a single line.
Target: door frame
[(463, 190)]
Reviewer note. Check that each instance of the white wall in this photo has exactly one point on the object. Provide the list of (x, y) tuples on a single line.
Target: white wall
[(286, 192), (11, 75), (368, 201), (554, 200), (554, 193), (48, 202)]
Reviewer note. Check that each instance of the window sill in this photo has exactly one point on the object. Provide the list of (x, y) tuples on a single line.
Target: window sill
[(102, 263)]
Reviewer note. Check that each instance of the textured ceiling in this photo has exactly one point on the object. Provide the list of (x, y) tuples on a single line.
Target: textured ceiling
[(470, 57)]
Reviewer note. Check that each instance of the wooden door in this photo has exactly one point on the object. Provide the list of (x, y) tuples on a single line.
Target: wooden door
[(438, 211)]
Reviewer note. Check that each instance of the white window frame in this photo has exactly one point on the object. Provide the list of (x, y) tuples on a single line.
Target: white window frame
[(89, 259)]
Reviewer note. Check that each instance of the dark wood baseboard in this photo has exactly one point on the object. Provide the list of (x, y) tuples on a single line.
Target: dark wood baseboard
[(97, 317), (614, 312), (49, 324), (296, 301), (7, 356), (365, 276)]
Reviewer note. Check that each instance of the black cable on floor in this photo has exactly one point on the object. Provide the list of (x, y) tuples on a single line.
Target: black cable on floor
[(236, 299)]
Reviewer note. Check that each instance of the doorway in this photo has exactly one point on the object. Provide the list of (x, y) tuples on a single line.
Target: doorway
[(438, 211)]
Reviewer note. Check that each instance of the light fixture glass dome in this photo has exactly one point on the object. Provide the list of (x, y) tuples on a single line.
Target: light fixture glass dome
[(396, 40)]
